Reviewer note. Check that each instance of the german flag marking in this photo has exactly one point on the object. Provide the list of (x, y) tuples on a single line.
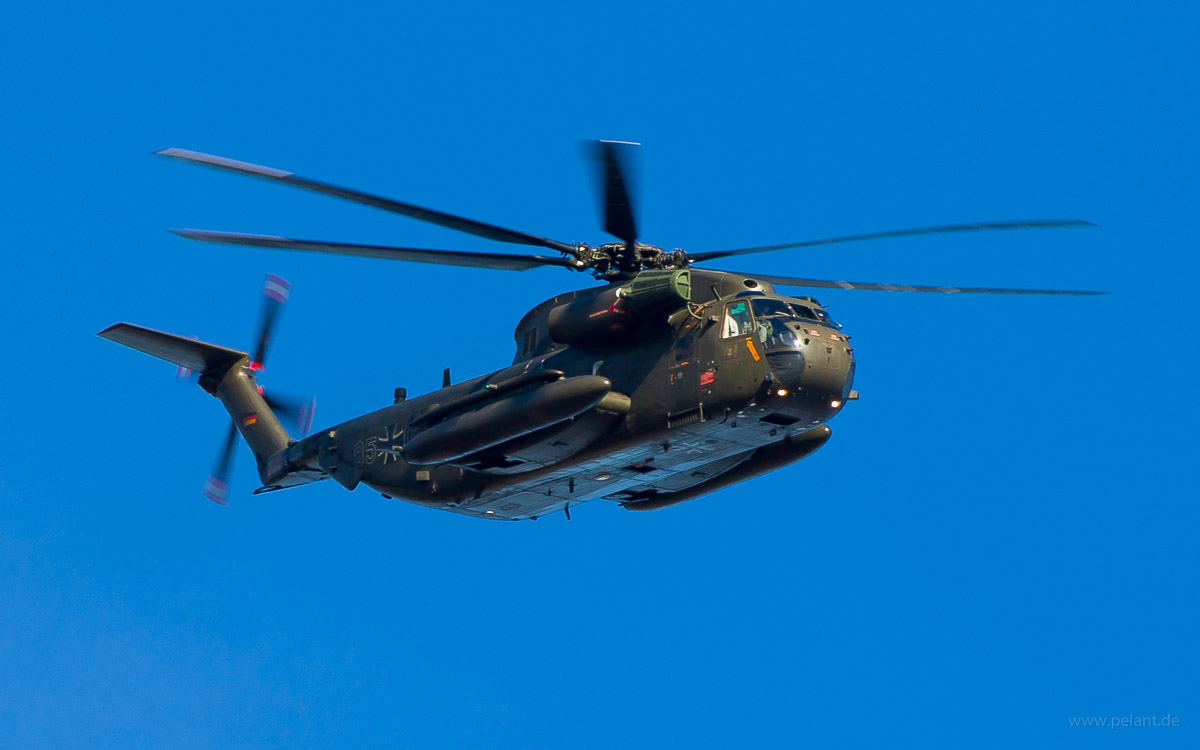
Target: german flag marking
[(250, 419)]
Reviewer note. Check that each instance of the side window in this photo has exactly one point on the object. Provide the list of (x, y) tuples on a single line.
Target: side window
[(738, 320), (530, 341), (685, 346)]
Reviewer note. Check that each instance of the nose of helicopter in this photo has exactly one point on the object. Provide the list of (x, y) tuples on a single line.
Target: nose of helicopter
[(829, 371), (820, 370)]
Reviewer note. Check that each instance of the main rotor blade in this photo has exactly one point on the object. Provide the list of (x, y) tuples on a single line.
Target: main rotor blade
[(615, 189), (880, 287), (470, 226), (992, 226), (502, 261)]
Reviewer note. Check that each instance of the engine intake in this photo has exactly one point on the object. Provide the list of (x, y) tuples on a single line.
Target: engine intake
[(614, 314)]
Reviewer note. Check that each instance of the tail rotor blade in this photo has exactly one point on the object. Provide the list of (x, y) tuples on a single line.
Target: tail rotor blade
[(298, 409), (216, 488), (276, 291), (304, 419)]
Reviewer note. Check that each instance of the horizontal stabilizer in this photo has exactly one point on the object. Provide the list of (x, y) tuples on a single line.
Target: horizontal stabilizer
[(306, 475), (190, 353)]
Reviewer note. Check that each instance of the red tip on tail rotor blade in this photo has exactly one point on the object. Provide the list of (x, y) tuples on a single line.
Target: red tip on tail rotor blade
[(216, 490), (277, 288)]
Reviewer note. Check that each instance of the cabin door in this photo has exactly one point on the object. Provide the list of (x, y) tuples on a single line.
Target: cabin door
[(684, 379)]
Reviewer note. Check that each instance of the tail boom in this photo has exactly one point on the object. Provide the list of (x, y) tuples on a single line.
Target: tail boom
[(224, 373)]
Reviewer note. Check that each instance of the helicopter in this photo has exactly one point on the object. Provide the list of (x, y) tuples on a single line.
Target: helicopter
[(665, 383)]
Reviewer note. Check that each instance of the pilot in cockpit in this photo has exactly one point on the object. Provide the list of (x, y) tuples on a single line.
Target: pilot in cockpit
[(773, 316)]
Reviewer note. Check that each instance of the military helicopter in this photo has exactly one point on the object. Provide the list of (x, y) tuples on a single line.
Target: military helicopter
[(666, 383)]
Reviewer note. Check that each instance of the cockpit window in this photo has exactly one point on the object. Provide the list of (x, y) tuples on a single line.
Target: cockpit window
[(738, 320), (766, 308), (804, 311), (824, 317), (773, 316)]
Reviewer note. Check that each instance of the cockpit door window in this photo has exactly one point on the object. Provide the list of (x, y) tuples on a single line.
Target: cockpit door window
[(738, 320)]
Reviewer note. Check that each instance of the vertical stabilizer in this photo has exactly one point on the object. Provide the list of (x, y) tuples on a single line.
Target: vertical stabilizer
[(224, 373)]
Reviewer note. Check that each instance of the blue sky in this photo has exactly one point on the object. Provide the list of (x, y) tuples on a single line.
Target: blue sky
[(999, 536)]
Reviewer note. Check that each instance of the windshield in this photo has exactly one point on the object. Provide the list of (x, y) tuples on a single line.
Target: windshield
[(766, 308), (773, 318), (804, 311), (778, 319)]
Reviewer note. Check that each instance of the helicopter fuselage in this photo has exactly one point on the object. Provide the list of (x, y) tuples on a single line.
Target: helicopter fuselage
[(669, 382), (740, 379)]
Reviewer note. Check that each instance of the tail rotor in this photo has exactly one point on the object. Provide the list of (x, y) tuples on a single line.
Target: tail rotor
[(298, 410)]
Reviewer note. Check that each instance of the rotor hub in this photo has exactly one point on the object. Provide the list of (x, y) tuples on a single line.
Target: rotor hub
[(613, 260)]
